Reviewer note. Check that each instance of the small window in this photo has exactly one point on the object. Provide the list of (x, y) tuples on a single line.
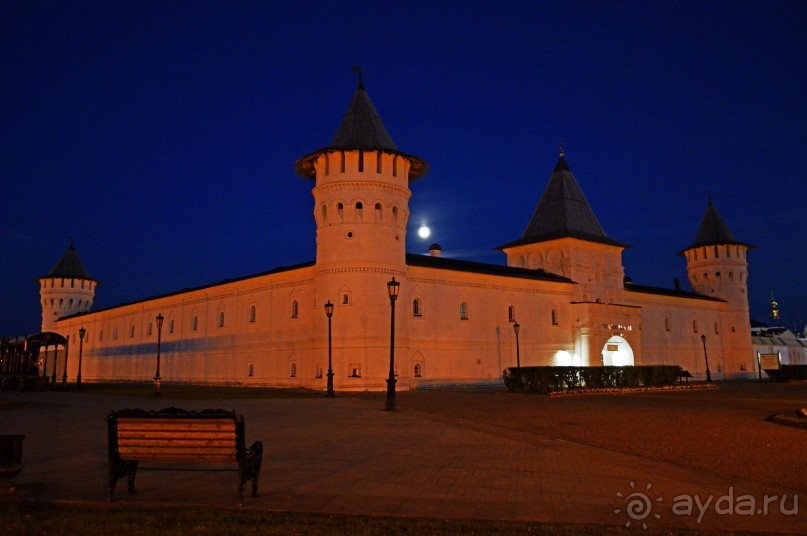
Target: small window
[(378, 212), (345, 298), (293, 370), (463, 311), (250, 370), (221, 319), (62, 282), (554, 317), (695, 326), (416, 307), (667, 324), (148, 331), (101, 335), (361, 161), (511, 314), (340, 211), (418, 370), (378, 162), (171, 326), (394, 214), (72, 283), (131, 332), (195, 323), (295, 309), (115, 333), (717, 329), (252, 313)]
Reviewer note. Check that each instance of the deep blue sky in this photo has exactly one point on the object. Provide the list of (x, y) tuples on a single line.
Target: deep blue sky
[(161, 134)]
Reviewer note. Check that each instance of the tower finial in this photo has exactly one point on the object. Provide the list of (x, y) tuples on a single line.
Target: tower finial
[(357, 69), (562, 150)]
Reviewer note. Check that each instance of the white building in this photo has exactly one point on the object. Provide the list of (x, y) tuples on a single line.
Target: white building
[(563, 283)]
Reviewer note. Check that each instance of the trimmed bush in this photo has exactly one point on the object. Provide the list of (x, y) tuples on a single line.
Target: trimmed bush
[(545, 380)]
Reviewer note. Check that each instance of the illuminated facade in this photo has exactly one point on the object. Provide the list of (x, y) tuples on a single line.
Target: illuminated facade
[(563, 284)]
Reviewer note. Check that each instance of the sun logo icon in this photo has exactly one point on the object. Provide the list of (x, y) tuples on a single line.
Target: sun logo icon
[(638, 505)]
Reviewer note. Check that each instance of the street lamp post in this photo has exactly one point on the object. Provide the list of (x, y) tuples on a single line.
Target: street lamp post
[(159, 340), (706, 357), (517, 328), (81, 333), (393, 287), (329, 314)]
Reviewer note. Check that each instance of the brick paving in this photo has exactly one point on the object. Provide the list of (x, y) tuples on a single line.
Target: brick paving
[(447, 454)]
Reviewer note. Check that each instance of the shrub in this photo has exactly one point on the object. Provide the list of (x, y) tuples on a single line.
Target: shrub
[(544, 380)]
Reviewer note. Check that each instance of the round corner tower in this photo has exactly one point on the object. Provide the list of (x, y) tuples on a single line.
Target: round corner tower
[(717, 267), (361, 208), (66, 290)]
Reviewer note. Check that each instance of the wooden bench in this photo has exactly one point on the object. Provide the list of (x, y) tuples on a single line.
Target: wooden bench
[(213, 437)]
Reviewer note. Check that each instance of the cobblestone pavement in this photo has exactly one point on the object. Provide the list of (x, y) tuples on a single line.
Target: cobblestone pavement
[(604, 459)]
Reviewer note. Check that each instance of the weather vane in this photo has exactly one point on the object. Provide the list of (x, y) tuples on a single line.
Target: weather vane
[(562, 150), (357, 69)]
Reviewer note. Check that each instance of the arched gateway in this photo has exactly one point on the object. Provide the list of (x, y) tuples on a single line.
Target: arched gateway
[(617, 352)]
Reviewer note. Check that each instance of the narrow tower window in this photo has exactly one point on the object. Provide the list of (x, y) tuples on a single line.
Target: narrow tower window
[(378, 162), (340, 211), (252, 313), (378, 212), (554, 317), (361, 161), (359, 211), (416, 307), (463, 311), (295, 309), (221, 319), (511, 314), (343, 161), (395, 166)]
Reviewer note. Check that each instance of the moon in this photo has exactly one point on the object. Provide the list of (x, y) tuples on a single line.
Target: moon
[(424, 232)]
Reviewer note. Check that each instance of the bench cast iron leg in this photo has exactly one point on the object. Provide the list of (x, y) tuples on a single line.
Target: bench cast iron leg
[(118, 469), (251, 469)]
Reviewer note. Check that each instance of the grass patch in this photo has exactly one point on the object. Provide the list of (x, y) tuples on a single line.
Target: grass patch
[(24, 517), (195, 392)]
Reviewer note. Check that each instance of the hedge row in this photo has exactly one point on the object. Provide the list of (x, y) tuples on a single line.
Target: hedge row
[(789, 373), (545, 380)]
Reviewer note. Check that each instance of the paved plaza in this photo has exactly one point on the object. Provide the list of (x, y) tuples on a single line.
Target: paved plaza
[(463, 454)]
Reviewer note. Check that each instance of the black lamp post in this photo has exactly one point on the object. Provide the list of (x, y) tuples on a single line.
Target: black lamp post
[(159, 339), (706, 357), (329, 314), (517, 328), (393, 287), (81, 333)]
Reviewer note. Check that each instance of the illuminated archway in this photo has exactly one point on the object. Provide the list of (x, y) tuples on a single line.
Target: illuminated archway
[(617, 352)]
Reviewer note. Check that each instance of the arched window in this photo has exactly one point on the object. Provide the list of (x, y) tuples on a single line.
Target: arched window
[(343, 161), (293, 370), (463, 311), (378, 212), (418, 370), (340, 208), (666, 324), (511, 314), (148, 331), (252, 313), (695, 326), (361, 161), (359, 211), (324, 215), (195, 323), (295, 309), (416, 307), (131, 331), (394, 214), (554, 317), (221, 319), (171, 326)]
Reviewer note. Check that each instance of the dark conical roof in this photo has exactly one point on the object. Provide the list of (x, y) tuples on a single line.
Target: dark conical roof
[(563, 211), (713, 230), (361, 129), (69, 266)]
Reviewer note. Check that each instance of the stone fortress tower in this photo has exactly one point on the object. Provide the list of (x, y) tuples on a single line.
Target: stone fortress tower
[(361, 208), (717, 267), (66, 290)]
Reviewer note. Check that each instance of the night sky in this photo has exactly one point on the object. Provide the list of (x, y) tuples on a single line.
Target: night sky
[(161, 135)]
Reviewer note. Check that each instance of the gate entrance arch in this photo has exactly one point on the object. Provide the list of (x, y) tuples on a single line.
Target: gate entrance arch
[(617, 352)]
